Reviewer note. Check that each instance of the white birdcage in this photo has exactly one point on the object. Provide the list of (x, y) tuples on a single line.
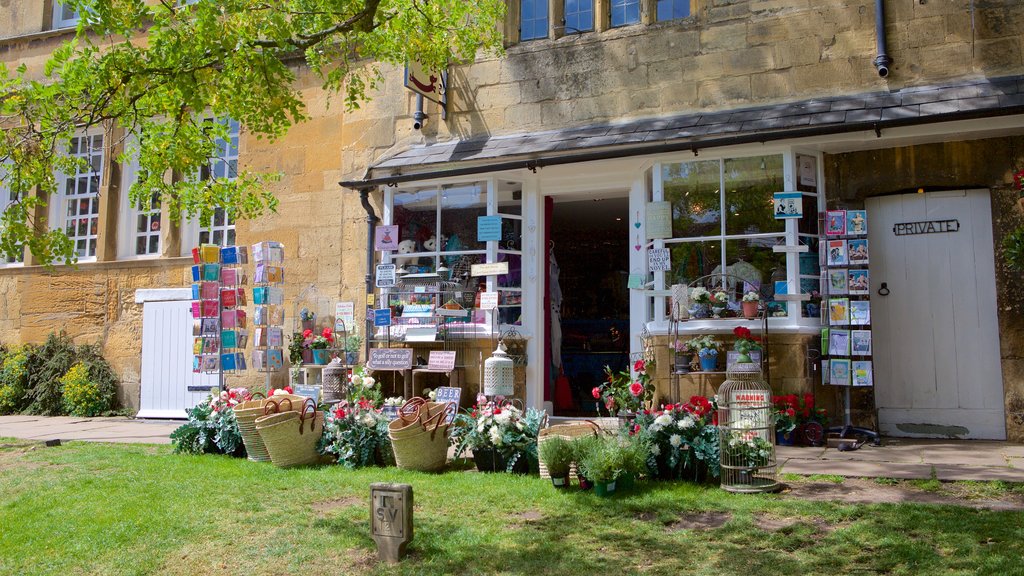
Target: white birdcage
[(746, 431), (499, 373)]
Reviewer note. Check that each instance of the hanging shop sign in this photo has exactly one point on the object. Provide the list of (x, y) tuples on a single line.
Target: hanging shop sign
[(390, 359), (788, 205), (386, 277), (488, 228), (659, 220), (659, 260), (385, 238), (382, 317), (430, 84), (925, 227), (635, 281), (493, 269)]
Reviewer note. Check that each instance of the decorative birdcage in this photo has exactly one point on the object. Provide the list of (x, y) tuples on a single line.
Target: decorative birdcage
[(335, 380), (746, 431)]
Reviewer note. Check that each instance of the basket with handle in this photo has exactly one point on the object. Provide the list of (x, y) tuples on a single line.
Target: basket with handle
[(568, 432), (246, 414), (291, 437), (422, 445)]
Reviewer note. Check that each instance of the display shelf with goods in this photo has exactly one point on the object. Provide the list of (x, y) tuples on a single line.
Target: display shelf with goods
[(314, 319), (219, 330), (268, 308), (846, 350)]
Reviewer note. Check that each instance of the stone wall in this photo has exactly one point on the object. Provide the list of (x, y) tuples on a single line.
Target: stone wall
[(988, 163)]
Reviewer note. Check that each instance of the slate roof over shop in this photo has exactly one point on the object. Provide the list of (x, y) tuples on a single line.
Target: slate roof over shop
[(873, 111)]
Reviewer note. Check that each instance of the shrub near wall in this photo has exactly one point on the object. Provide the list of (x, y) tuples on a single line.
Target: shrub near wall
[(33, 379)]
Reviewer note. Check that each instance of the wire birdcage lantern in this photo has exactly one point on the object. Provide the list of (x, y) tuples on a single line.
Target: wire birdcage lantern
[(335, 381), (746, 431)]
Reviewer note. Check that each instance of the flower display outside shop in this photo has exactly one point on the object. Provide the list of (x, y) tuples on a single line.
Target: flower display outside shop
[(356, 433), (362, 386), (683, 439), (212, 427), (500, 427), (322, 341), (620, 392), (700, 295), (745, 343)]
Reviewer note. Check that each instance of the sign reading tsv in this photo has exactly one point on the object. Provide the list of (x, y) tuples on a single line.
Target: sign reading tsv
[(926, 227), (390, 359)]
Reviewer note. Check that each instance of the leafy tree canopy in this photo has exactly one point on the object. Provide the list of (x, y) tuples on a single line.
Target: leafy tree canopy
[(157, 70)]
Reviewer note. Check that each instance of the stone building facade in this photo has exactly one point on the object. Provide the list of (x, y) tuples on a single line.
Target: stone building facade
[(617, 108)]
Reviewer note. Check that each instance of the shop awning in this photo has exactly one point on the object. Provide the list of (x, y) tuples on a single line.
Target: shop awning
[(876, 111)]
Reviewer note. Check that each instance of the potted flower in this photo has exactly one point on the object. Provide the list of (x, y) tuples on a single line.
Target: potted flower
[(634, 450), (356, 433), (352, 348), (745, 343), (683, 357), (751, 300), (556, 454), (602, 464), (319, 345), (707, 350), (307, 318), (701, 299), (719, 303), (298, 352), (622, 394), (581, 448), (501, 436), (681, 439), (784, 415)]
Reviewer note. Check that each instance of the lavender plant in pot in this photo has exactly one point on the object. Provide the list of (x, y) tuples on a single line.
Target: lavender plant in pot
[(556, 454)]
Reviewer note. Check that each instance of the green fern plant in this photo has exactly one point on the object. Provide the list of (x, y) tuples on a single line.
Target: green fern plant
[(1013, 249)]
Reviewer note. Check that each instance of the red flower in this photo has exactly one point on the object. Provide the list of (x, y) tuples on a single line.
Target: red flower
[(596, 392), (809, 400), (741, 332), (327, 335), (497, 411), (639, 366), (610, 404), (670, 407), (288, 389), (307, 333), (636, 389), (790, 412)]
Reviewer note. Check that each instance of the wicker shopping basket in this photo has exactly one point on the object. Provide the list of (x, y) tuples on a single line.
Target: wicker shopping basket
[(246, 414), (569, 432), (422, 445), (291, 437)]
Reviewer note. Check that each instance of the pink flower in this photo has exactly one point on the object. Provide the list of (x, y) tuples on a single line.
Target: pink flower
[(639, 366), (636, 389), (596, 392)]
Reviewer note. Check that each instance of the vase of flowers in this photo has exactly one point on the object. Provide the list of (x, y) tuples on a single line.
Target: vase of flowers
[(745, 343), (719, 303), (784, 416), (683, 357), (700, 298), (319, 345), (707, 351), (751, 300), (503, 438)]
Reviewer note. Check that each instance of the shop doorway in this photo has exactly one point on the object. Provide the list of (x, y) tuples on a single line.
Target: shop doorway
[(936, 341), (588, 241)]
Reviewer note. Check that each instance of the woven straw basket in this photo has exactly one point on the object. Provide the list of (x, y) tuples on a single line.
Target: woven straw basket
[(420, 439), (291, 437), (247, 412), (569, 432)]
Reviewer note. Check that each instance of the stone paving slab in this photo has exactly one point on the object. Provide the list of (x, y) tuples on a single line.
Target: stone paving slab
[(979, 473), (857, 469)]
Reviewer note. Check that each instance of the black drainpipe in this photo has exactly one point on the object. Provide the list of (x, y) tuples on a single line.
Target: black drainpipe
[(371, 222), (882, 61)]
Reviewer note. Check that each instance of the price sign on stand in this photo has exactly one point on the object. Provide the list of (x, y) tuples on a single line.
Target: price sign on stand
[(449, 394)]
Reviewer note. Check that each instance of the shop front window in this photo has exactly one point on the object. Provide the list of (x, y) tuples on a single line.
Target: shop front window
[(723, 224)]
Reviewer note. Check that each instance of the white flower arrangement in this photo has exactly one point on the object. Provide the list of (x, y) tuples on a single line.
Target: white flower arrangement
[(752, 296), (721, 298), (395, 401), (700, 295)]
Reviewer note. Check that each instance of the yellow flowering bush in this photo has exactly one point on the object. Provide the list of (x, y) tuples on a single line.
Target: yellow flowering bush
[(13, 376), (81, 395)]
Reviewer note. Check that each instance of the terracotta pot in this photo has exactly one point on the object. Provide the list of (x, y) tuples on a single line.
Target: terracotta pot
[(750, 309)]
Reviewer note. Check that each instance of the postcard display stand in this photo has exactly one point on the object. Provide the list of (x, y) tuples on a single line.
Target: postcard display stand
[(846, 334), (268, 314), (219, 334)]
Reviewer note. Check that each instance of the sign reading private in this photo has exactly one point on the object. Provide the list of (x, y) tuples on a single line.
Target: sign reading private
[(386, 277), (659, 259), (390, 359), (927, 227)]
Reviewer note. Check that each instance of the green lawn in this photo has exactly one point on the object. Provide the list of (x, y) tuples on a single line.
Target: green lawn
[(106, 509)]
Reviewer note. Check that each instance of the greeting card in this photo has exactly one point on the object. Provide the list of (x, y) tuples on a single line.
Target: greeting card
[(211, 363), (243, 338), (227, 361), (195, 255), (211, 345), (835, 223), (859, 283), (197, 345), (230, 276), (210, 309), (259, 295), (211, 272), (839, 371), (837, 281), (196, 313), (837, 255), (208, 290), (860, 312), (838, 311), (195, 273), (197, 364), (275, 359), (209, 253), (259, 337), (275, 295), (839, 342), (195, 291), (275, 336), (233, 255), (857, 251), (229, 318), (229, 338), (259, 359), (860, 342), (857, 222), (229, 297), (862, 373)]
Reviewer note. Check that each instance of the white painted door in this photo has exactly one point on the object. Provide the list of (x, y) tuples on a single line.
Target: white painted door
[(169, 386), (935, 335)]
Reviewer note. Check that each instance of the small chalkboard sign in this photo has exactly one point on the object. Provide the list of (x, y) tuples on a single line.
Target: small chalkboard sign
[(449, 394), (390, 359)]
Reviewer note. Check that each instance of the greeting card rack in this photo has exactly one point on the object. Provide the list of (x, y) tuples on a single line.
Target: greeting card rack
[(219, 334), (846, 316), (268, 315)]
